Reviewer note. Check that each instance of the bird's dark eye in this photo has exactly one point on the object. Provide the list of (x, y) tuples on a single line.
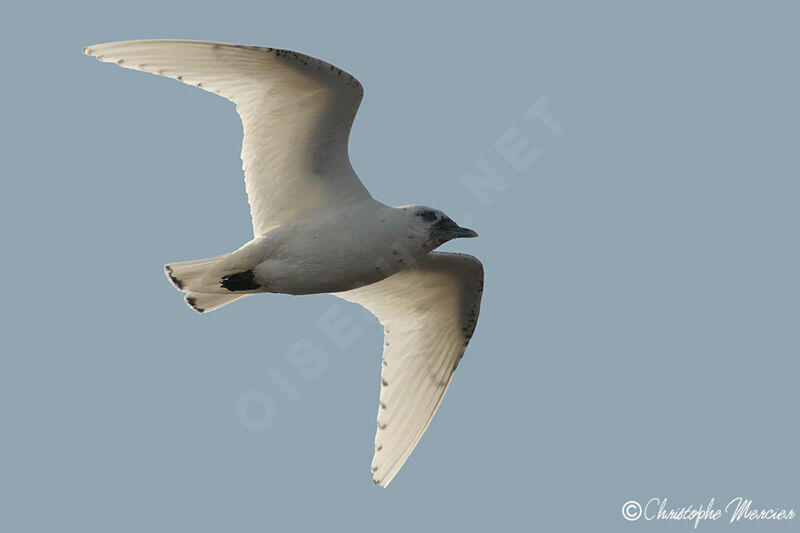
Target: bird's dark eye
[(427, 215)]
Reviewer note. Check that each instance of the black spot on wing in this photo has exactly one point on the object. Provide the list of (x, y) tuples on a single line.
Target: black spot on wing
[(241, 281)]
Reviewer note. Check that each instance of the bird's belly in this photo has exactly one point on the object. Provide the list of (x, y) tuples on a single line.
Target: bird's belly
[(334, 254), (308, 275)]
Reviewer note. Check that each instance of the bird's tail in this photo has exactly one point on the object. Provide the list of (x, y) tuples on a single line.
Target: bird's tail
[(200, 280), (202, 302)]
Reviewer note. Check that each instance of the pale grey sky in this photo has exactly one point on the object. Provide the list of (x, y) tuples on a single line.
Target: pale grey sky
[(638, 336)]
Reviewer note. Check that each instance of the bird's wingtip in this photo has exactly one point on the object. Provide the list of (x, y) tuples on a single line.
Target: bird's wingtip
[(91, 50)]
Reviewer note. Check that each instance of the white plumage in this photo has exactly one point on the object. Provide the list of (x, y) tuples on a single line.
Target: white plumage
[(428, 314), (317, 229)]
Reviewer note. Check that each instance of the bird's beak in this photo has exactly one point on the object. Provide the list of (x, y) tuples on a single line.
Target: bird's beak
[(464, 232), (455, 231)]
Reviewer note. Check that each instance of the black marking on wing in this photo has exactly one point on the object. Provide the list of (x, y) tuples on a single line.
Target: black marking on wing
[(241, 281)]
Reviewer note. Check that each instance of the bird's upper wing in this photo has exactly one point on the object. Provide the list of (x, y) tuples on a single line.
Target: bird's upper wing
[(296, 112), (429, 313)]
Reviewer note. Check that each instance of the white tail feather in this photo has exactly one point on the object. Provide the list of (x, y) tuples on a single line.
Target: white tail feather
[(191, 275), (203, 302), (200, 280)]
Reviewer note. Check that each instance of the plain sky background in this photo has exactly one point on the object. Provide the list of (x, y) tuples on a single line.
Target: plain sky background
[(639, 329)]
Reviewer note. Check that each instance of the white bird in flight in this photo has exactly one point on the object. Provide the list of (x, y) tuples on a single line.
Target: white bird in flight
[(317, 229)]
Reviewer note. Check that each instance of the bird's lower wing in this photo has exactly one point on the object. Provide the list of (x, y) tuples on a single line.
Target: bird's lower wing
[(429, 312), (296, 113)]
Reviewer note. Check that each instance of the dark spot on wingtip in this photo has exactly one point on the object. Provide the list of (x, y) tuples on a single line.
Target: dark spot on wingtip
[(178, 283), (241, 281)]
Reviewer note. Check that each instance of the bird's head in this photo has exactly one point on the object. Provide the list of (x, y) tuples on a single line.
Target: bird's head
[(437, 227)]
